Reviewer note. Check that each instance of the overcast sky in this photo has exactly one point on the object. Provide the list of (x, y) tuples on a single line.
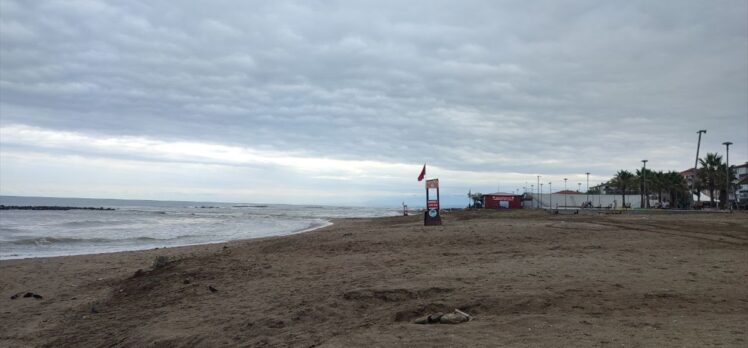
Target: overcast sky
[(341, 102)]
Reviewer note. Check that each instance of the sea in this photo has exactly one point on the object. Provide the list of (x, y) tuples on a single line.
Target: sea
[(140, 224)]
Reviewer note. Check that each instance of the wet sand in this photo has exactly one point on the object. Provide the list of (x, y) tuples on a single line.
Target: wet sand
[(528, 278)]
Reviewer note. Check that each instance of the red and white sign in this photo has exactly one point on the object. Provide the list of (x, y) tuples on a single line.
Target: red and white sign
[(432, 194)]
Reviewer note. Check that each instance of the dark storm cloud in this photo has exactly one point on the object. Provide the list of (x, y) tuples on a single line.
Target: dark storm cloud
[(549, 86)]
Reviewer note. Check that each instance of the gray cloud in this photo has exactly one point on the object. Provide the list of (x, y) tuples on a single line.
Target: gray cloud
[(548, 87)]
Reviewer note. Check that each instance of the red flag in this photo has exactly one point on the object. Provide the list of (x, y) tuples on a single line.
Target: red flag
[(423, 173)]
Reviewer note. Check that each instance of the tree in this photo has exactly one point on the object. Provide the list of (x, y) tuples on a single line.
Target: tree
[(658, 184), (650, 177), (674, 184), (721, 181), (697, 187), (476, 198), (623, 181), (710, 172)]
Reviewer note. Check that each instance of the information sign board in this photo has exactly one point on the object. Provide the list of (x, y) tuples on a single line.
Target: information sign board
[(431, 216)]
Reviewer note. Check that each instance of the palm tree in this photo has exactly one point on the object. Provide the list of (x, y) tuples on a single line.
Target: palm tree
[(697, 187), (658, 184), (710, 172), (720, 177), (622, 181), (641, 176), (654, 183), (674, 183)]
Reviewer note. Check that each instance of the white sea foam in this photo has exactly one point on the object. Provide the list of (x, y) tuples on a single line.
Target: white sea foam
[(138, 225)]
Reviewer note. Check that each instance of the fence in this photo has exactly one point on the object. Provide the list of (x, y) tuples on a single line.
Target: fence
[(561, 200)]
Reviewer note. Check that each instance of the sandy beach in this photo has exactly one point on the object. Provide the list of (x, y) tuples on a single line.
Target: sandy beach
[(527, 278)]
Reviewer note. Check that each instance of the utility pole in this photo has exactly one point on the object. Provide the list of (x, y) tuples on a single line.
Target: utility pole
[(564, 193), (644, 179), (727, 169), (550, 196), (698, 145), (695, 167)]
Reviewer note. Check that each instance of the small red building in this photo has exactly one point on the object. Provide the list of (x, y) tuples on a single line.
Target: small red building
[(502, 200)]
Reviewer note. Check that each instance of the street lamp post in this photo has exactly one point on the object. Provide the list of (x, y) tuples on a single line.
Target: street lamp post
[(644, 179), (541, 195), (588, 187), (538, 187), (550, 196), (727, 170), (532, 190), (565, 193)]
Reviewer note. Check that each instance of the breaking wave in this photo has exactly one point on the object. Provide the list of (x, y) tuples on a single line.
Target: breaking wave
[(138, 225), (57, 240)]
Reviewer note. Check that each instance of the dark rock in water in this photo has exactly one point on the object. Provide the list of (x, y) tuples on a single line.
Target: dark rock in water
[(28, 294), (212, 289), (94, 310), (46, 207), (138, 273), (37, 296), (15, 296), (186, 281)]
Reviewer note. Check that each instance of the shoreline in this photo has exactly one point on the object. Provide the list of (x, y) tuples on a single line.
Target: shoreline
[(327, 222), (528, 279), (188, 247)]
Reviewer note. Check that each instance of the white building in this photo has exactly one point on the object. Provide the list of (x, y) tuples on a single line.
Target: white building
[(740, 184)]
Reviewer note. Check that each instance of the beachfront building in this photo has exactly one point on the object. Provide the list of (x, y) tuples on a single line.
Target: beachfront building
[(740, 184), (502, 200), (690, 176)]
